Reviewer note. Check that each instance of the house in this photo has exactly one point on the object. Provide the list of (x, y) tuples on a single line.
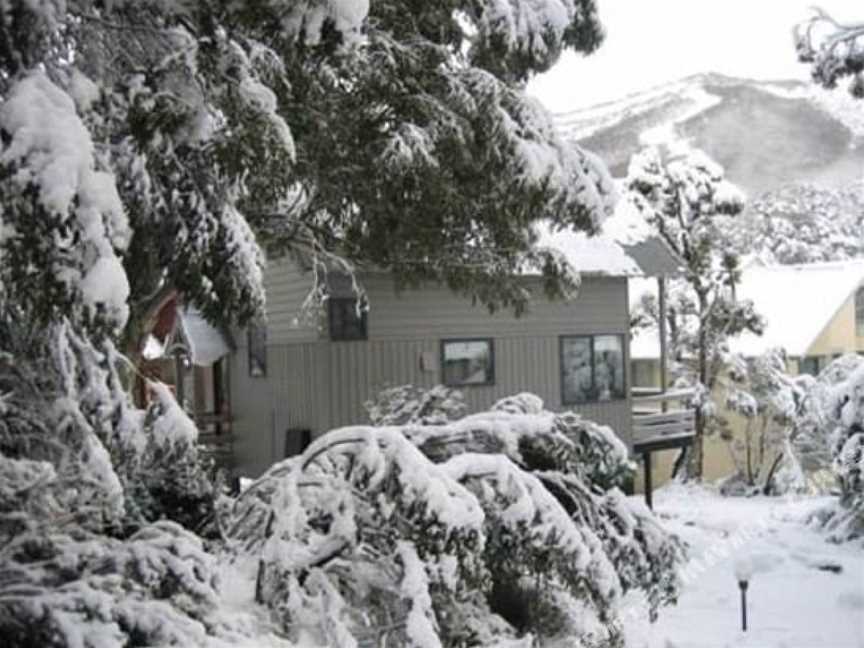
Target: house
[(815, 312), (184, 351), (294, 378)]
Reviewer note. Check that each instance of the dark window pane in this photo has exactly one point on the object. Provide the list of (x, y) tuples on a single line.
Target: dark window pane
[(345, 321), (576, 370), (859, 311), (467, 362), (809, 365), (257, 340), (608, 367)]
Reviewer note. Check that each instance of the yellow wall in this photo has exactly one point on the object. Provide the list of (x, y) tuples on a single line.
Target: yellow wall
[(839, 335)]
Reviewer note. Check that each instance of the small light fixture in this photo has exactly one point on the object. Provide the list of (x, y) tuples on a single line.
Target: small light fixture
[(743, 573)]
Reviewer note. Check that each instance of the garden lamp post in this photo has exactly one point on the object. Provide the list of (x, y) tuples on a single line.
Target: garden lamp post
[(743, 573)]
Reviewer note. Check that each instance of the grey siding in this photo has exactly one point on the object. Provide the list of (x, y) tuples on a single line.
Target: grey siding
[(317, 384), (287, 288)]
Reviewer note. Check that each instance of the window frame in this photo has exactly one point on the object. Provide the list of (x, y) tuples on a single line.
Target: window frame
[(490, 372), (562, 340), (256, 345), (818, 363), (332, 302)]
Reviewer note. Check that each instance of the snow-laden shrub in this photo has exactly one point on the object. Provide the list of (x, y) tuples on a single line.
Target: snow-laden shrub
[(471, 533), (770, 401), (66, 587), (83, 559), (409, 404), (830, 435)]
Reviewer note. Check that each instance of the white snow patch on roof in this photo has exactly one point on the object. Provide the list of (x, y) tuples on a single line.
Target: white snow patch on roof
[(797, 302), (599, 254), (206, 343), (606, 252)]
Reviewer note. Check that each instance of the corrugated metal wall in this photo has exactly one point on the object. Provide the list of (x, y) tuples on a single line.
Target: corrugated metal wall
[(317, 384)]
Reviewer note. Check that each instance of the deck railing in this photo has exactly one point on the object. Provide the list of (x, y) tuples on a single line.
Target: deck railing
[(657, 426), (653, 418)]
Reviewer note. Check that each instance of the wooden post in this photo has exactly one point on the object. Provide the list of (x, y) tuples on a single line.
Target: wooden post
[(661, 299), (646, 467), (179, 375)]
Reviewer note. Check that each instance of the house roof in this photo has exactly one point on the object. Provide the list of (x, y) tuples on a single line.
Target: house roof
[(625, 247), (796, 301)]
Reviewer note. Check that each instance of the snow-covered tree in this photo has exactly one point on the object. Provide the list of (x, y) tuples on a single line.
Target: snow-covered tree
[(769, 400), (683, 198), (499, 530), (834, 50), (830, 436), (366, 132), (801, 224)]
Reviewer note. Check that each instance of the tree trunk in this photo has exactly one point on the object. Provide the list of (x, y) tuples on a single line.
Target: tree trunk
[(695, 467), (766, 489)]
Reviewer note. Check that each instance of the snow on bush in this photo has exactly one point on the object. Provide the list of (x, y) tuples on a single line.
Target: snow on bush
[(500, 523), (410, 404), (91, 493), (830, 434), (77, 589), (769, 400)]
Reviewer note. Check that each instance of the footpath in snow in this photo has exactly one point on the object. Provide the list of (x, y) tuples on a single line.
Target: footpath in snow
[(804, 592)]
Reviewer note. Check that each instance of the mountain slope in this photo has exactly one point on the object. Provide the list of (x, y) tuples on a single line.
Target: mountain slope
[(766, 134)]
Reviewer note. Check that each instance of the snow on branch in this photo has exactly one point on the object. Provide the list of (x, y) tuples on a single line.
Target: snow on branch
[(833, 49), (50, 153)]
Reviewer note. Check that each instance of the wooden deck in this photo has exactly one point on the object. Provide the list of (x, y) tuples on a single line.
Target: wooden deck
[(656, 426)]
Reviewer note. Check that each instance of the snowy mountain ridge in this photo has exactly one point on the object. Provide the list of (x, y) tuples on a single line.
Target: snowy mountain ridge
[(766, 134)]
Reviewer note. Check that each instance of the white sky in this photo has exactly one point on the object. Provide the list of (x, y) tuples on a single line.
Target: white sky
[(649, 42)]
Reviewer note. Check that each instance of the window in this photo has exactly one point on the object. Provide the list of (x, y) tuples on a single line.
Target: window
[(592, 368), (467, 362), (811, 365), (859, 311), (346, 323), (257, 340)]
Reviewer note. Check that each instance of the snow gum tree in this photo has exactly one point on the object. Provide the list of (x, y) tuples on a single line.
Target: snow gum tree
[(684, 198)]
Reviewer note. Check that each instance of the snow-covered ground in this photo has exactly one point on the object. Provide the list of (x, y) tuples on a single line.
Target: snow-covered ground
[(792, 603)]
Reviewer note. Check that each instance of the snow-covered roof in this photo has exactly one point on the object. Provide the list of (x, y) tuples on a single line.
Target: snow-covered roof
[(625, 247), (206, 343), (599, 254), (797, 302)]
